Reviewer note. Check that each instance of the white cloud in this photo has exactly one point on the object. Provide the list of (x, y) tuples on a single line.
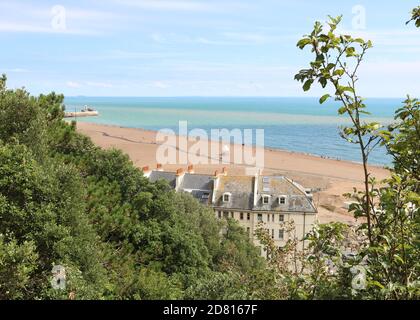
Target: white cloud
[(170, 5), (160, 84), (99, 84), (34, 28), (255, 38), (17, 70), (76, 84), (157, 37), (398, 37), (391, 67), (224, 39), (73, 84)]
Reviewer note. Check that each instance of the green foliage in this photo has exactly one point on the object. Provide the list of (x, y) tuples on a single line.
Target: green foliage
[(387, 241), (337, 59), (64, 201), (403, 140), (17, 266), (218, 286), (415, 16)]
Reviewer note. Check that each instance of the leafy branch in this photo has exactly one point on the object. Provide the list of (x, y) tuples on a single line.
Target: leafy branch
[(337, 61)]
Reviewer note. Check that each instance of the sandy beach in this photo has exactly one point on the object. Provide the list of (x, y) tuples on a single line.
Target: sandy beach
[(331, 177)]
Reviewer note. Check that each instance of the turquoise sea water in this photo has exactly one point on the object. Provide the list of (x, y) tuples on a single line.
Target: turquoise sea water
[(295, 124)]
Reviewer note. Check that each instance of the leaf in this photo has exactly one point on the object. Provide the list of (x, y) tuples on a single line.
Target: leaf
[(342, 110), (338, 72), (350, 52), (320, 58), (307, 84), (303, 43), (324, 98), (376, 283)]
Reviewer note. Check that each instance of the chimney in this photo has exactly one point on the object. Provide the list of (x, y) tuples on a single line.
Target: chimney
[(224, 171), (159, 167), (179, 177), (256, 180), (190, 169), (146, 171), (216, 181)]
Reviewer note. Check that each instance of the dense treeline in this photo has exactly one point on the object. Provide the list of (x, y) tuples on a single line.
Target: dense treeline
[(64, 201)]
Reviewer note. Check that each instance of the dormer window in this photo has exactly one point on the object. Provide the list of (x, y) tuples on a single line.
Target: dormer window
[(282, 199), (265, 199), (226, 197)]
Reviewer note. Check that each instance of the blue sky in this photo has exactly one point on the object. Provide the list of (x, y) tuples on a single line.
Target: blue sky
[(196, 47)]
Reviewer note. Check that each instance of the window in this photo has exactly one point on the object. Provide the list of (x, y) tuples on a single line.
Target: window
[(282, 200), (259, 218), (241, 216), (272, 233), (220, 214), (248, 216), (272, 217), (268, 218), (232, 214), (266, 199), (248, 230), (226, 197), (281, 218), (281, 234), (225, 214)]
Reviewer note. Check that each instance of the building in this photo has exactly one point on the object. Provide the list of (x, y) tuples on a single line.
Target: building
[(253, 201)]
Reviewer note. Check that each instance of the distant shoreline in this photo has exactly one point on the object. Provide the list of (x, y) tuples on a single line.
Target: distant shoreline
[(267, 148)]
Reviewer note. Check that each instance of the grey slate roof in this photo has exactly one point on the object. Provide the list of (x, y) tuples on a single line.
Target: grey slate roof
[(276, 186), (170, 177), (199, 185), (194, 181), (241, 190)]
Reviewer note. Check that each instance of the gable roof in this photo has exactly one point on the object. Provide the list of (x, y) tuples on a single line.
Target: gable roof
[(192, 181), (200, 186), (276, 186), (240, 189)]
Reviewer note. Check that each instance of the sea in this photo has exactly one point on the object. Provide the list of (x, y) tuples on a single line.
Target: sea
[(294, 124)]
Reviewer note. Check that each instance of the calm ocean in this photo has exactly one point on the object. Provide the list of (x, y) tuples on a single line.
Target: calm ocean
[(295, 124)]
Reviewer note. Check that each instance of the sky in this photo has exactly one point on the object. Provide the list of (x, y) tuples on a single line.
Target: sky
[(196, 47)]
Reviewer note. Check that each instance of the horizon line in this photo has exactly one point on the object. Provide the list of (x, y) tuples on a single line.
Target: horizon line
[(222, 96)]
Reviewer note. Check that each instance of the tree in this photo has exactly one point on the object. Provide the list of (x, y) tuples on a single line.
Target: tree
[(390, 253), (64, 201), (17, 266)]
